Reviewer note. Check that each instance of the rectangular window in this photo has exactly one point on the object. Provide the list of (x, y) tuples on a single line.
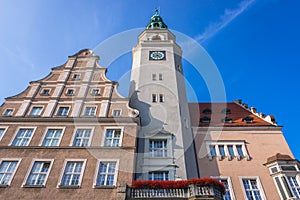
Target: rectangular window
[(160, 77), (95, 92), (221, 150), (252, 189), (72, 174), (227, 184), (112, 137), (7, 171), (52, 137), (212, 150), (70, 92), (2, 131), (160, 176), (161, 98), (82, 137), (230, 150), (90, 111), (38, 174), (116, 113), (294, 185), (63, 111), (23, 137), (158, 148), (45, 92), (154, 98), (239, 150), (76, 76), (106, 174), (153, 77), (8, 112), (36, 111)]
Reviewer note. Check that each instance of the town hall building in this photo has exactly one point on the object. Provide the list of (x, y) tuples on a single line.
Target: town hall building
[(71, 135)]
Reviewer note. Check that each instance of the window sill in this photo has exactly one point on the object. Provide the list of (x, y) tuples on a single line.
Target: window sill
[(34, 186), (4, 185), (69, 187), (104, 186)]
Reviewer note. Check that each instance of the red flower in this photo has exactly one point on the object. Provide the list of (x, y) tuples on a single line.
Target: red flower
[(146, 184)]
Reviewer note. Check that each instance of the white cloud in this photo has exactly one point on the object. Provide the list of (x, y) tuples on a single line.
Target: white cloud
[(228, 16)]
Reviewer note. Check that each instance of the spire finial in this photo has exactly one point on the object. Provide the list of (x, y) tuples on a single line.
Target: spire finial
[(156, 11)]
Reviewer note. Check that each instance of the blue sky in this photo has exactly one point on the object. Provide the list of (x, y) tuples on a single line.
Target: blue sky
[(254, 43)]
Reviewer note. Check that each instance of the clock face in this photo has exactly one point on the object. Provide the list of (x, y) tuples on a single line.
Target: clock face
[(157, 55)]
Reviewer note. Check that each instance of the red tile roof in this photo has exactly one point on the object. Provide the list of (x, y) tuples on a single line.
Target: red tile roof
[(237, 113)]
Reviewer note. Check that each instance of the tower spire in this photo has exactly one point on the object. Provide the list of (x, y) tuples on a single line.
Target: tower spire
[(156, 21)]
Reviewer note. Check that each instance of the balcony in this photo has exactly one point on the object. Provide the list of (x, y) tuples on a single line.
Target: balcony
[(181, 190)]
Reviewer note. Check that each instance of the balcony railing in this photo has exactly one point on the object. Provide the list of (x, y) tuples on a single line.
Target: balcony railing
[(192, 192)]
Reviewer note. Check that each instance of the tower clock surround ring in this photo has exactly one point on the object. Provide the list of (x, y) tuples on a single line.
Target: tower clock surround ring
[(157, 55)]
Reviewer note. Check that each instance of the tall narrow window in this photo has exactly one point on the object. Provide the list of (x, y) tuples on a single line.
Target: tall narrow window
[(153, 77), (36, 111), (72, 174), (82, 137), (252, 189), (38, 173), (239, 150), (161, 98), (106, 174), (8, 112), (212, 150), (160, 176), (7, 170), (160, 77), (158, 148), (154, 98), (112, 137), (294, 184), (2, 131), (23, 137), (230, 150), (90, 111), (221, 150), (52, 137), (63, 111)]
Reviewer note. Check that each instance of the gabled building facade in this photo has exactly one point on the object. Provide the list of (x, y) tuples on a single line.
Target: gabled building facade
[(72, 135)]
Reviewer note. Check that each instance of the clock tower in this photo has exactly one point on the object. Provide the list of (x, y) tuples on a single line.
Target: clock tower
[(165, 149)]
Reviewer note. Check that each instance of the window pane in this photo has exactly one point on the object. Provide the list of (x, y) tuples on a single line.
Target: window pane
[(222, 151), (38, 173), (22, 138), (112, 137), (106, 173), (52, 137), (239, 150), (7, 168), (82, 137), (72, 174), (230, 150), (212, 150), (1, 132)]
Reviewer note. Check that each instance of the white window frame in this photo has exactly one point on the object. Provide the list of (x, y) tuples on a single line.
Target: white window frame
[(46, 94), (230, 188), (82, 127), (225, 144), (64, 107), (12, 112), (16, 133), (5, 129), (164, 150), (37, 106), (76, 76), (59, 185), (117, 110), (121, 135), (259, 186), (68, 92), (97, 170), (90, 106), (95, 89), (30, 169), (45, 134), (164, 173), (18, 160)]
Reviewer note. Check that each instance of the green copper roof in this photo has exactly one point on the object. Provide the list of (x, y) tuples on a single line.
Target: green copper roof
[(156, 22)]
